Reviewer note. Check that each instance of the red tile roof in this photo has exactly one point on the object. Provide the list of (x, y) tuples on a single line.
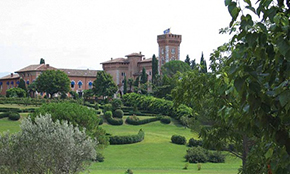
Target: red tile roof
[(80, 73), (116, 60), (135, 54), (15, 76), (38, 67)]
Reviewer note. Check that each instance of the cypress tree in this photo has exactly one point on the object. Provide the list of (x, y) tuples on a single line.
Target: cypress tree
[(144, 77), (154, 68), (193, 64), (187, 60), (203, 67), (125, 85), (22, 84)]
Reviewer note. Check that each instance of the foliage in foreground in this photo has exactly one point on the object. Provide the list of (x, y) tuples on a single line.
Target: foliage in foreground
[(76, 115), (45, 146)]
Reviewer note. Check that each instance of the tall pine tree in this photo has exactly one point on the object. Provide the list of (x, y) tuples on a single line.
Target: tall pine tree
[(203, 67), (193, 64), (154, 68), (187, 60), (144, 77)]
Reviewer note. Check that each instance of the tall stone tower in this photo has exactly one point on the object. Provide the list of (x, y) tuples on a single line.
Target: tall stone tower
[(169, 48)]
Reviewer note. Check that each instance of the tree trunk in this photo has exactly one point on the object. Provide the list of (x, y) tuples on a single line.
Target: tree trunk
[(245, 149)]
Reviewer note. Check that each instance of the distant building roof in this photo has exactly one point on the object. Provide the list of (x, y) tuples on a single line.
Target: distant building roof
[(38, 67), (10, 76), (80, 73), (146, 60), (116, 60), (135, 54)]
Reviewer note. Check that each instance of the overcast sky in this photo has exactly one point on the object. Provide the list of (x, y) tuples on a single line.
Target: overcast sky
[(84, 33)]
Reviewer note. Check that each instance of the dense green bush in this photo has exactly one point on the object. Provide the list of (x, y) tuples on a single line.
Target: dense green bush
[(156, 105), (107, 107), (97, 107), (111, 120), (15, 92), (165, 120), (100, 157), (201, 155), (76, 114), (129, 139), (196, 155), (136, 121), (116, 104), (216, 157), (194, 143), (4, 114), (118, 113), (178, 139), (14, 116)]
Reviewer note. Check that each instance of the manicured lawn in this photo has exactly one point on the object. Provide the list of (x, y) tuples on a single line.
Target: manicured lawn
[(155, 154), (17, 106)]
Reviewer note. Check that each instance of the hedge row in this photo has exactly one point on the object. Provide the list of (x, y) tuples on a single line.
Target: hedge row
[(32, 101), (17, 110), (111, 120), (201, 155), (129, 139), (136, 121), (11, 115), (156, 105), (178, 139)]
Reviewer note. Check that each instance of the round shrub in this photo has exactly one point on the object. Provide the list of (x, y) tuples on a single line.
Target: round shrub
[(194, 143), (119, 113), (107, 107), (196, 155), (216, 157), (166, 120), (108, 114), (101, 121), (14, 116), (178, 139), (100, 157)]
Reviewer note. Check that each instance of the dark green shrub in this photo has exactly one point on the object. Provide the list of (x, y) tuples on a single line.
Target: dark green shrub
[(129, 139), (100, 157), (165, 120), (196, 155), (98, 112), (101, 121), (97, 107), (178, 139), (194, 143), (5, 114), (107, 107), (14, 116), (136, 121), (118, 113), (15, 92), (116, 104), (129, 171), (108, 114), (115, 121), (216, 157)]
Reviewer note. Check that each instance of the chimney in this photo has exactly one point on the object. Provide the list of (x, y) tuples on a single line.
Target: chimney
[(47, 65), (111, 58), (11, 74)]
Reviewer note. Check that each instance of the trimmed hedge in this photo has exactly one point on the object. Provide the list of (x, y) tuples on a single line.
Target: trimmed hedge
[(14, 116), (32, 101), (4, 109), (129, 139), (178, 139), (133, 120), (165, 120), (156, 105), (111, 120), (118, 113)]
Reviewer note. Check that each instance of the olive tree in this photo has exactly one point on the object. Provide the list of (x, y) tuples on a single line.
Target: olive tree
[(44, 146)]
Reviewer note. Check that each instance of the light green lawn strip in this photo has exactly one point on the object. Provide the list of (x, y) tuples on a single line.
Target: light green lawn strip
[(16, 106)]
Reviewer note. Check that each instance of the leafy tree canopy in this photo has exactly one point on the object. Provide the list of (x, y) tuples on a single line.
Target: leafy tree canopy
[(104, 85), (52, 82), (172, 67)]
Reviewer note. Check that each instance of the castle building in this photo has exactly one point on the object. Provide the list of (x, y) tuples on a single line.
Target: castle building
[(80, 79), (169, 48), (130, 66)]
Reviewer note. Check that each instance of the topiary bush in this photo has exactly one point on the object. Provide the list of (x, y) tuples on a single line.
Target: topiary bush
[(165, 120), (133, 120), (118, 113), (97, 107), (108, 114), (116, 103), (196, 155), (194, 143), (14, 116), (112, 121), (178, 139), (100, 157), (5, 114), (129, 139), (107, 107)]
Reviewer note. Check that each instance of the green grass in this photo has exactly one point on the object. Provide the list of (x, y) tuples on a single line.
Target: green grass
[(16, 106), (155, 154)]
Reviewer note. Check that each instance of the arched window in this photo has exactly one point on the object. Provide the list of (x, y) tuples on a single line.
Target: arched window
[(90, 85), (27, 82), (1, 85), (7, 85), (72, 84), (80, 83)]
